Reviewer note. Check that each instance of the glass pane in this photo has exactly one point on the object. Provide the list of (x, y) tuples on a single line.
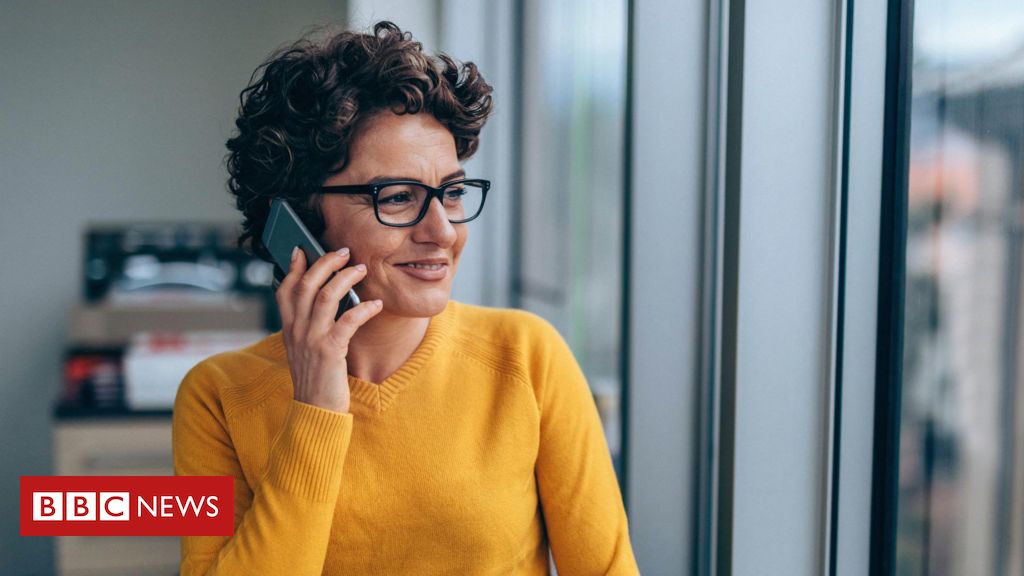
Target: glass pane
[(961, 467), (571, 235)]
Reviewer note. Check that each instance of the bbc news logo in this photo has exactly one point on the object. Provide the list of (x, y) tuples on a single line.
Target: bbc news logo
[(116, 506), (127, 505)]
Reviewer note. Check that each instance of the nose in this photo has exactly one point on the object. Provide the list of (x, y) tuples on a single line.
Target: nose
[(435, 227)]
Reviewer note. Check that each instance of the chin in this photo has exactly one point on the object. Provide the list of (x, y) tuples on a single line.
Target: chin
[(423, 306)]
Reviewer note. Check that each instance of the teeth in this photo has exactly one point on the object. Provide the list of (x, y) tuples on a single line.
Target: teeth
[(425, 266)]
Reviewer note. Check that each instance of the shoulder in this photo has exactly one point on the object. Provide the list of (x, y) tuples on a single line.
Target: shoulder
[(215, 380), (504, 327), (515, 341)]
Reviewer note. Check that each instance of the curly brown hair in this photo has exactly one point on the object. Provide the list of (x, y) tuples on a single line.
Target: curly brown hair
[(305, 104)]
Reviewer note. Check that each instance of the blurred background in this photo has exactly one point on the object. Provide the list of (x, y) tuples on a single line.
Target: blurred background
[(694, 192), (961, 505)]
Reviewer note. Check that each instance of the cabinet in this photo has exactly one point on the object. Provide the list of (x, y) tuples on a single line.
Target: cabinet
[(130, 444)]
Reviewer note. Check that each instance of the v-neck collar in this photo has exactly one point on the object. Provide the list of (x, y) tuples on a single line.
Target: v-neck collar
[(379, 397)]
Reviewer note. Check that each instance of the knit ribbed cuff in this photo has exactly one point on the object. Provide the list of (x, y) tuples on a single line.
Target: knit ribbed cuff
[(309, 454)]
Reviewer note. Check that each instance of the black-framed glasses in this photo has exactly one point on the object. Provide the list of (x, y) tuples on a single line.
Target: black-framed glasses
[(402, 203)]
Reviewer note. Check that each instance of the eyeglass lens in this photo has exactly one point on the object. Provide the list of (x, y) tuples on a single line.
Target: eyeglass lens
[(402, 203)]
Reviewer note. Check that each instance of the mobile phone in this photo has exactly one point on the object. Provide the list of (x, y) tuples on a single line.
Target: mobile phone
[(283, 232)]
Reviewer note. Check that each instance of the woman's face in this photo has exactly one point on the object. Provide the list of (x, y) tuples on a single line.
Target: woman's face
[(407, 147)]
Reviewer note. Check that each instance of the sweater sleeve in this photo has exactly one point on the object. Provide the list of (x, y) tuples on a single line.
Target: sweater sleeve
[(282, 525), (583, 510)]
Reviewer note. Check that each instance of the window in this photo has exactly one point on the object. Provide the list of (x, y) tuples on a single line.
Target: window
[(961, 471), (570, 236)]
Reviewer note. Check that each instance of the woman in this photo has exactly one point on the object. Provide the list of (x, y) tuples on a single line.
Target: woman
[(414, 434)]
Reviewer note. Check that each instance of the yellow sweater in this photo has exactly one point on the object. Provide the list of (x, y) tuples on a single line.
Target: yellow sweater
[(482, 450)]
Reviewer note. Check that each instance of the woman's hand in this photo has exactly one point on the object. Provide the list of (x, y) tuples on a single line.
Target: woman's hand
[(317, 344)]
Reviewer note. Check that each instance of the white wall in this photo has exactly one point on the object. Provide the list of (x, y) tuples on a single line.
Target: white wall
[(108, 111)]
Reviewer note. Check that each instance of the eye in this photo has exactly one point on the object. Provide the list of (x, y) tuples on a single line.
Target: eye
[(455, 193), (395, 199)]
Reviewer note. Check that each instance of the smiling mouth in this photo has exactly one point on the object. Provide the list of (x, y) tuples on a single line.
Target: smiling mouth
[(424, 266)]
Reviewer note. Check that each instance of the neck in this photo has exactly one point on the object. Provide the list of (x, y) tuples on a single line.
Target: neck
[(380, 347)]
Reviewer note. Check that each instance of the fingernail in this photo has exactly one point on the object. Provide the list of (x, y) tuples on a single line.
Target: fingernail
[(378, 303), (343, 251), (295, 253)]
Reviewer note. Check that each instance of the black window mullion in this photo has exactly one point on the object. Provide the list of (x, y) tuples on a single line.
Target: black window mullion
[(891, 289)]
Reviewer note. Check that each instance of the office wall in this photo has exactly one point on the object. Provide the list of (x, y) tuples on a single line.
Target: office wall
[(108, 111)]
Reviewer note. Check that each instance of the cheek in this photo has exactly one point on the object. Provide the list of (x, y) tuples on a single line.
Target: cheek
[(377, 253), (370, 242), (460, 242), (378, 248), (343, 229)]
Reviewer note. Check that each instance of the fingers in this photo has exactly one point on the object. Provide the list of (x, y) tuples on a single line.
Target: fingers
[(328, 298), (283, 294), (341, 331), (300, 286)]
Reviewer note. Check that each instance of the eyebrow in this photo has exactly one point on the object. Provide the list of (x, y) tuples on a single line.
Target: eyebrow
[(460, 173)]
